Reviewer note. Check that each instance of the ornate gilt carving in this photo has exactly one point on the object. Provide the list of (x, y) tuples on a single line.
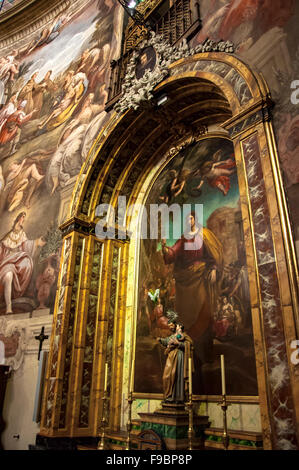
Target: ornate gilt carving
[(135, 91)]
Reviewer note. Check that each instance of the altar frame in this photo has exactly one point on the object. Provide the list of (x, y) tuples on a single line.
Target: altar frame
[(274, 312)]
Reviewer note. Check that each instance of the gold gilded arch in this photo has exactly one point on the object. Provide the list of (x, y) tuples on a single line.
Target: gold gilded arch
[(94, 317)]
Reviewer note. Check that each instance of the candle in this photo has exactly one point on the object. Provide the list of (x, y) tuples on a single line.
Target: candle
[(190, 377), (132, 377), (223, 376), (106, 377)]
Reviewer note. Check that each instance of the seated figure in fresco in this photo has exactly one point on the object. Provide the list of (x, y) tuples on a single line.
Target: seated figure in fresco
[(176, 368), (16, 261), (197, 272)]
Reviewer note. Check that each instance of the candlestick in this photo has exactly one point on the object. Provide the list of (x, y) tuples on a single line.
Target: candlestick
[(225, 437), (102, 441), (129, 423), (106, 377), (131, 386), (190, 377), (223, 376)]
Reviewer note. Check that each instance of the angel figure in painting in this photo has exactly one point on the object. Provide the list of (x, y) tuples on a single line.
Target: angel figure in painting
[(217, 173), (175, 186), (179, 347)]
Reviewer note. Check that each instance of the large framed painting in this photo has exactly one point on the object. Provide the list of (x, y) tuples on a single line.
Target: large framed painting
[(208, 286)]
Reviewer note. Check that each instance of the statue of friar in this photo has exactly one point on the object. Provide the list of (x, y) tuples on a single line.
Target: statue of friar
[(179, 347)]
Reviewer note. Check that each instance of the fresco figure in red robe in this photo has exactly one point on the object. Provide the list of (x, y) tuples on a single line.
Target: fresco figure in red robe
[(11, 131)]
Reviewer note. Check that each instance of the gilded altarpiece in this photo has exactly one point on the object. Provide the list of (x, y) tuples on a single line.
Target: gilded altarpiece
[(126, 159)]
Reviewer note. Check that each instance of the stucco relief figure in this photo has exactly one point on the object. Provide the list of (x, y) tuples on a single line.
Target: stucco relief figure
[(16, 263), (196, 273), (179, 347)]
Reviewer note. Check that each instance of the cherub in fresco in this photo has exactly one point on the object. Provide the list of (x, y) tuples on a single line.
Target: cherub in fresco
[(175, 186), (9, 66), (11, 130), (217, 173)]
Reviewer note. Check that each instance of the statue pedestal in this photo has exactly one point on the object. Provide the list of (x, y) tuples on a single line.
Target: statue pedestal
[(171, 423)]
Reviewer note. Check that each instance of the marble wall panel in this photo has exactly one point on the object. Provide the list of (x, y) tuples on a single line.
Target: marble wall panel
[(282, 408)]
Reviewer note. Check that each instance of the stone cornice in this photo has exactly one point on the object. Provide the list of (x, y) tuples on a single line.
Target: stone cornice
[(15, 10)]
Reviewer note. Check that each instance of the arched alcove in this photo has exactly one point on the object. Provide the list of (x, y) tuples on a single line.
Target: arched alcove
[(209, 95)]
